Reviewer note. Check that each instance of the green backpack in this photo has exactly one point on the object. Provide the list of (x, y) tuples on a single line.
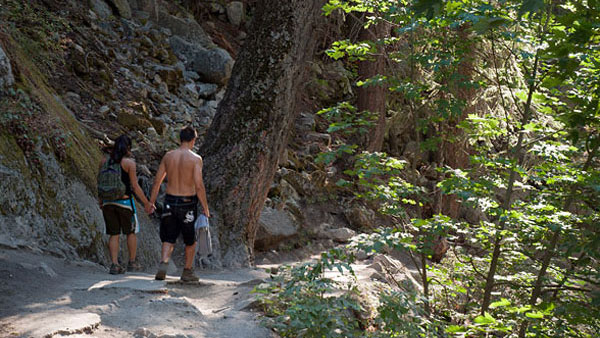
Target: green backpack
[(110, 186)]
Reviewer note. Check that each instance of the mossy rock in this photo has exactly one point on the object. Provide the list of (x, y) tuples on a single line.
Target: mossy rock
[(172, 76), (158, 125), (81, 153), (132, 121)]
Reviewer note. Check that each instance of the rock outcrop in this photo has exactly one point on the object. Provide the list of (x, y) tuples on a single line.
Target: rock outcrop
[(235, 12), (101, 8), (122, 7), (274, 227), (186, 28), (7, 78), (213, 65)]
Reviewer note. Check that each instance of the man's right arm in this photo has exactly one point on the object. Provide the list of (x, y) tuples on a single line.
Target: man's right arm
[(200, 190), (160, 176)]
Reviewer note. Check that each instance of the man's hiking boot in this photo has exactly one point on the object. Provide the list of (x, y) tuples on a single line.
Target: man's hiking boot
[(188, 276), (162, 271), (133, 266), (116, 269)]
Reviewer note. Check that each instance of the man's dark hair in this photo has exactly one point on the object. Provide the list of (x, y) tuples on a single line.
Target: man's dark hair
[(187, 134)]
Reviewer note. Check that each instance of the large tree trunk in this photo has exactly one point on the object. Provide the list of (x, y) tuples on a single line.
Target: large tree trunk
[(455, 153), (250, 131), (373, 98)]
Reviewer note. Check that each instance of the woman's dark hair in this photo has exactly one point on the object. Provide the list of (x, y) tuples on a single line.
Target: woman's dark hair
[(187, 134), (121, 148)]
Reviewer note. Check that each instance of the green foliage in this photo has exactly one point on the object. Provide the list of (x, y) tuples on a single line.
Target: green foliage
[(302, 301), (528, 264), (400, 316), (346, 120)]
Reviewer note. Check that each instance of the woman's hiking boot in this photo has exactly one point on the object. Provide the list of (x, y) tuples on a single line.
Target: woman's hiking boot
[(116, 269), (188, 275), (133, 266), (162, 271)]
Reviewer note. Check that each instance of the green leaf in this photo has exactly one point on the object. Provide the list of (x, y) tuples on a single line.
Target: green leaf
[(461, 289), (455, 329), (486, 319), (530, 6), (429, 8), (522, 309), (535, 314), (500, 303), (486, 24)]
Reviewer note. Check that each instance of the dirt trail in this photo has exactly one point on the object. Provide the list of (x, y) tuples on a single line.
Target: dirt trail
[(43, 296)]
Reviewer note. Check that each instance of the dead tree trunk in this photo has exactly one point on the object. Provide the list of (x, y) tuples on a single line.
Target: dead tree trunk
[(250, 131)]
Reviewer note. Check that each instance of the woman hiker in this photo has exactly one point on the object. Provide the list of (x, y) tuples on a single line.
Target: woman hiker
[(117, 181)]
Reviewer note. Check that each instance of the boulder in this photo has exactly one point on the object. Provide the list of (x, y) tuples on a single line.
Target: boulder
[(301, 182), (360, 217), (190, 94), (341, 235), (206, 90), (217, 8), (7, 79), (172, 76), (412, 151), (274, 226), (158, 125), (186, 28), (329, 82), (122, 7), (213, 65), (190, 91), (132, 121), (235, 12), (101, 8), (472, 214), (393, 271), (288, 193), (319, 138), (191, 75), (149, 6), (306, 122)]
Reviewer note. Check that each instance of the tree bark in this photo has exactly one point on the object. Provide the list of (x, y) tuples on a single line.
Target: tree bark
[(243, 145), (373, 98), (455, 152)]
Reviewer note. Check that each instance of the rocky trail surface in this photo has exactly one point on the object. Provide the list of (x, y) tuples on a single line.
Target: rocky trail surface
[(44, 296)]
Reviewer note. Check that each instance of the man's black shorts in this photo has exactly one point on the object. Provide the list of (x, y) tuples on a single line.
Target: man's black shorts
[(178, 217)]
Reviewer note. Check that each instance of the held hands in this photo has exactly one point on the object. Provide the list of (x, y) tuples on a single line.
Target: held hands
[(206, 212), (150, 208)]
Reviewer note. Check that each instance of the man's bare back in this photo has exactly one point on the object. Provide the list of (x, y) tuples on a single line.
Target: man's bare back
[(181, 166), (183, 170)]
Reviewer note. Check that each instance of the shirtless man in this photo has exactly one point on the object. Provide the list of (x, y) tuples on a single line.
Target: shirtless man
[(184, 189)]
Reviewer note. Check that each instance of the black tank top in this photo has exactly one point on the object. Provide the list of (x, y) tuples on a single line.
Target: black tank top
[(125, 179)]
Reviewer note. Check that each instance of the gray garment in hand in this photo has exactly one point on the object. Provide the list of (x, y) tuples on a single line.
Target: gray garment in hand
[(204, 243)]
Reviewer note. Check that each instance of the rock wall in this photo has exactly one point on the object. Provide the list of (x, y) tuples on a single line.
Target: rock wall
[(105, 68)]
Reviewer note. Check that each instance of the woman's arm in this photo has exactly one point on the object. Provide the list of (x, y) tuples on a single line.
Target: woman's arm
[(100, 168), (130, 168)]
